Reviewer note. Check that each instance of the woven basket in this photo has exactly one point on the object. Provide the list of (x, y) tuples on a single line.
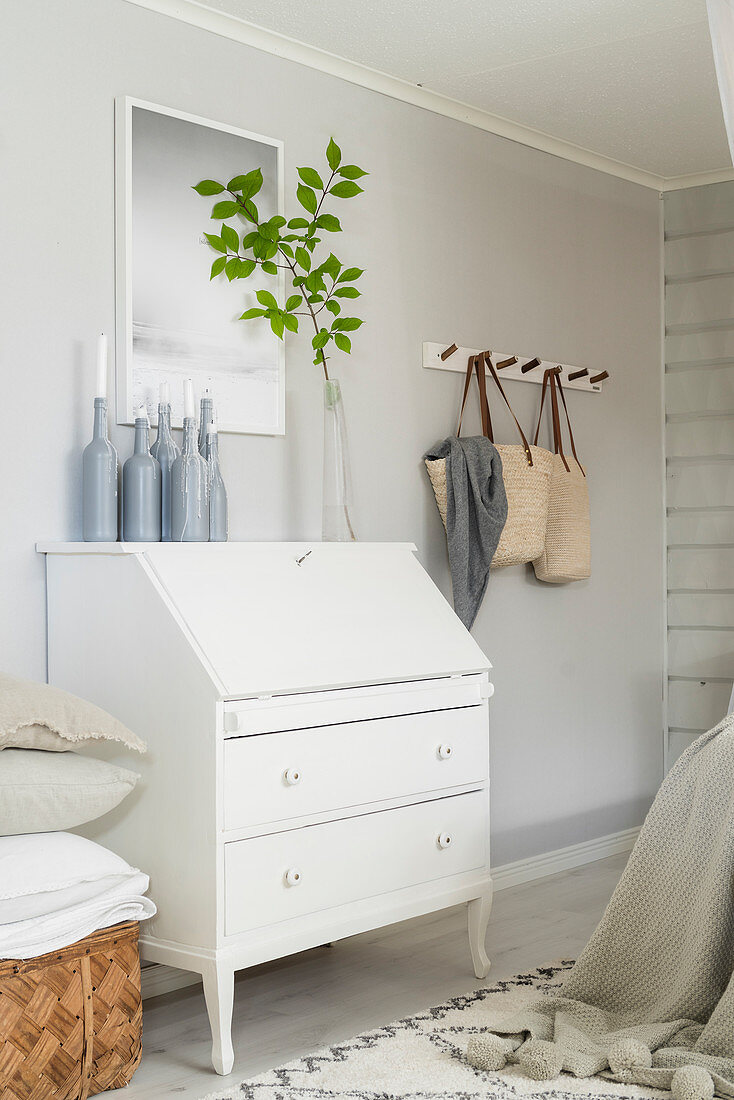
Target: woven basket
[(71, 1021), (566, 555)]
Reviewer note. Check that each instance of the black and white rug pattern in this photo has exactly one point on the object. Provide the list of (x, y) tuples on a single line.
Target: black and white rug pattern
[(423, 1058)]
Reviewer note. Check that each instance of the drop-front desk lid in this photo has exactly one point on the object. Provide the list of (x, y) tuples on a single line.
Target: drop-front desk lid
[(273, 618)]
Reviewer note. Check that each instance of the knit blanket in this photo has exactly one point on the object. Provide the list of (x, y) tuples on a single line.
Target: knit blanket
[(650, 1000)]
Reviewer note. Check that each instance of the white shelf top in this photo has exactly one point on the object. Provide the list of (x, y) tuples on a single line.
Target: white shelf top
[(49, 547)]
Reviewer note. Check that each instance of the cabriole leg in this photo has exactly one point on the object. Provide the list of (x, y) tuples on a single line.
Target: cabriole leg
[(479, 910), (219, 995)]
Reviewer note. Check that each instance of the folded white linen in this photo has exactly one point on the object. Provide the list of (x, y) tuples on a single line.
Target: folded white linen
[(32, 863), (23, 939)]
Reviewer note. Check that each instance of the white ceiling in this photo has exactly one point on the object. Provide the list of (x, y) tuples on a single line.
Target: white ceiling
[(632, 80)]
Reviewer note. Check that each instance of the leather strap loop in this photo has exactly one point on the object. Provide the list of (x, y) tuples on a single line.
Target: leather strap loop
[(568, 421), (488, 360), (475, 364)]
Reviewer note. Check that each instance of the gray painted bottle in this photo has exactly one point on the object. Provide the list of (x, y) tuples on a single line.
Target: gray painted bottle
[(189, 491), (218, 531), (99, 482), (166, 451), (205, 416), (141, 488)]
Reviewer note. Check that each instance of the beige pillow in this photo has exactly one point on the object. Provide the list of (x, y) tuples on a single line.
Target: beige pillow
[(37, 716), (44, 793)]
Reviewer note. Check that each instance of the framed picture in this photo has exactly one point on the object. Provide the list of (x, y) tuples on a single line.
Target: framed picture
[(172, 322)]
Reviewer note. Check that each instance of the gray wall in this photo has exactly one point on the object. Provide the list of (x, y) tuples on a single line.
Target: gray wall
[(465, 237), (699, 314)]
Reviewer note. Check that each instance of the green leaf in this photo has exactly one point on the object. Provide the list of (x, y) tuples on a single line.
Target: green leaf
[(265, 298), (232, 268), (307, 198), (313, 299), (347, 292), (331, 266), (297, 223), (293, 302), (328, 222), (230, 238), (286, 248), (246, 268), (333, 307), (249, 210), (299, 280), (217, 267), (311, 177), (290, 322), (303, 259), (342, 342), (237, 183), (277, 324), (208, 187), (253, 183), (270, 268), (224, 209), (349, 274), (320, 340), (333, 155), (249, 314), (347, 324), (352, 172), (345, 190), (270, 250), (268, 231), (249, 239), (216, 242), (278, 221)]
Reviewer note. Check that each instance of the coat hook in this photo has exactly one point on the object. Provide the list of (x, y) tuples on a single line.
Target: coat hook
[(449, 351), (599, 377), (529, 365), (578, 374), (506, 362)]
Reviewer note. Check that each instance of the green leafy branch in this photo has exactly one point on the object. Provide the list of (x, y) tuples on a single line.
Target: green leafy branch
[(275, 245)]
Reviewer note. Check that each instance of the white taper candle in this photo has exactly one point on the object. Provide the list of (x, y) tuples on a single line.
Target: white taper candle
[(101, 390), (189, 399), (164, 397)]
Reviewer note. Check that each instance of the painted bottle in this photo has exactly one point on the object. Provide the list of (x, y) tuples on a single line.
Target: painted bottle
[(166, 451), (218, 531), (141, 488), (99, 481), (189, 483), (206, 414)]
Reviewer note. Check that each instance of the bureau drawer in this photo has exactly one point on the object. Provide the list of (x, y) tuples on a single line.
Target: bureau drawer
[(322, 708), (284, 875), (277, 776)]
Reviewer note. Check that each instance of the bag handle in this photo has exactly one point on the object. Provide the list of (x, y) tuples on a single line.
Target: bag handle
[(552, 376), (487, 357), (568, 421), (474, 365)]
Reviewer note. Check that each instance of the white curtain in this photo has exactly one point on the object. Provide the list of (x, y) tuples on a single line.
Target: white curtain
[(721, 24)]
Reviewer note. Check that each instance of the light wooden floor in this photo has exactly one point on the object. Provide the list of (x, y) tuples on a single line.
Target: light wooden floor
[(289, 1008)]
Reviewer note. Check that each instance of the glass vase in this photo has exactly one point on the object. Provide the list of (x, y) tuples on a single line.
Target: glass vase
[(337, 495)]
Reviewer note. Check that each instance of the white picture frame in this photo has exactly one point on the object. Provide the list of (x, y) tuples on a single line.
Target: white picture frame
[(172, 323)]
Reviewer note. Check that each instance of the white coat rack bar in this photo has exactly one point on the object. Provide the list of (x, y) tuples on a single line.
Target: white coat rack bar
[(457, 361)]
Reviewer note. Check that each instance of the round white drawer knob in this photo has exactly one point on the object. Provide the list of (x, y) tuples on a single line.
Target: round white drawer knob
[(444, 840), (445, 751), (292, 876), (292, 776)]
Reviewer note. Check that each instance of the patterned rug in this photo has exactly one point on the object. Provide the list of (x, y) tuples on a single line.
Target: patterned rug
[(422, 1058)]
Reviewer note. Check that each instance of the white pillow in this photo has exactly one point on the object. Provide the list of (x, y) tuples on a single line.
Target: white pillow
[(38, 716), (45, 791), (41, 873)]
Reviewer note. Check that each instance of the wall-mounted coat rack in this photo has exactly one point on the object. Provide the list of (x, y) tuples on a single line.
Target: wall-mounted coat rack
[(519, 368)]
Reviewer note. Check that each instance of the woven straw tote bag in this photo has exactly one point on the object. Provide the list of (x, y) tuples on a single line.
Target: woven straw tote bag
[(567, 552), (526, 471)]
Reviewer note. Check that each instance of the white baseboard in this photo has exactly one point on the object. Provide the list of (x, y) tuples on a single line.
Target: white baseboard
[(563, 859), (158, 979)]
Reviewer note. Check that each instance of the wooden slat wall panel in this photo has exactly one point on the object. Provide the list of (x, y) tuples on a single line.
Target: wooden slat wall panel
[(700, 302), (705, 654), (713, 435), (700, 485), (697, 704), (704, 389), (701, 527), (699, 347), (701, 609), (691, 255), (701, 569), (699, 400)]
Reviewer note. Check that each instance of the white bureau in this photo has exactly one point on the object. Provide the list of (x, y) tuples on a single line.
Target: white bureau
[(318, 762)]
